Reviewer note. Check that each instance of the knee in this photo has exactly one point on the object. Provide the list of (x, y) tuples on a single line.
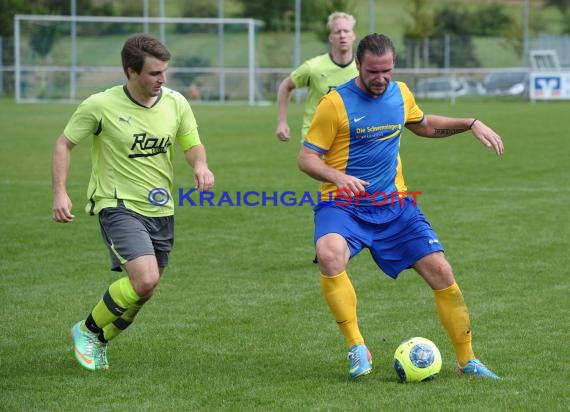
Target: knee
[(144, 275), (435, 270), (443, 275), (447, 271), (145, 286), (333, 254)]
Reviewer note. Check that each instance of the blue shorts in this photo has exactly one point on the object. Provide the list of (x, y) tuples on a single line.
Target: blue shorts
[(397, 235)]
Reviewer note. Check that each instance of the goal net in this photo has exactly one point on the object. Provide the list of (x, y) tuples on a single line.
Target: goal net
[(68, 58)]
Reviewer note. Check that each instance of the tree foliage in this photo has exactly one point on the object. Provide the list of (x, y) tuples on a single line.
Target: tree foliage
[(421, 20), (453, 20), (490, 20), (9, 8), (280, 15), (566, 24), (43, 38), (457, 22), (275, 14), (562, 5), (487, 20), (198, 8)]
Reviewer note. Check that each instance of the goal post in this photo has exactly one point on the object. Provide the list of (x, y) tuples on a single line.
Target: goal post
[(67, 58)]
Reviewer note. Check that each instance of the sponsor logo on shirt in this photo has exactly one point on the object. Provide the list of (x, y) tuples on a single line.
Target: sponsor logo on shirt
[(379, 132), (149, 145)]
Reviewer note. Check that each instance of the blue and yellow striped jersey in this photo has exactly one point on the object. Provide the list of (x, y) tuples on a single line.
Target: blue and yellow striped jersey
[(359, 135)]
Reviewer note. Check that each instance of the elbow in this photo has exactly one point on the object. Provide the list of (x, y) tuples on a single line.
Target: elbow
[(63, 145), (286, 86)]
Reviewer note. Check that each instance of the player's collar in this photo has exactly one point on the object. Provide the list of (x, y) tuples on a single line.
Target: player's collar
[(132, 99), (340, 65)]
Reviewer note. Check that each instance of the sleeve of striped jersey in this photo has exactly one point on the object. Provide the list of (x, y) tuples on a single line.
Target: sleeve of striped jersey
[(412, 111), (324, 126)]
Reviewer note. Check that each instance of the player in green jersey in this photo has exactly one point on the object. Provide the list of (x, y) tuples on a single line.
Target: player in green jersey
[(320, 74), (133, 128)]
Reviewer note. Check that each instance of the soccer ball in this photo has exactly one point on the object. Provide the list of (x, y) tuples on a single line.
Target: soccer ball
[(417, 360)]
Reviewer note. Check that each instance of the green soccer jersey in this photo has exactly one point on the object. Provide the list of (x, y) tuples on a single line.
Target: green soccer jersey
[(320, 75), (132, 147)]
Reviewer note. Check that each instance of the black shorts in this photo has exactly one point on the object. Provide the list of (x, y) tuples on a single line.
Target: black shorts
[(129, 235)]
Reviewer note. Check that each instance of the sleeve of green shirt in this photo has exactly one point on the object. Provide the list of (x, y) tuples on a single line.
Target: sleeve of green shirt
[(189, 136), (84, 122), (301, 75), (189, 140)]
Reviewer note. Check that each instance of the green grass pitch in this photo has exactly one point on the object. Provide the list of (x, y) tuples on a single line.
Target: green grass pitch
[(238, 321)]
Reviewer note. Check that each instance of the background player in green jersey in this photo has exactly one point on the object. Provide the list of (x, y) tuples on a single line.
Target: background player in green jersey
[(133, 128), (319, 74)]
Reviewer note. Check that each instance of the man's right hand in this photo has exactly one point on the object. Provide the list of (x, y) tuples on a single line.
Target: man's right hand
[(62, 209), (283, 133)]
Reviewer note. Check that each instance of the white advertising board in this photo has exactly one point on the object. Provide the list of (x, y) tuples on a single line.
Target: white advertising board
[(549, 85)]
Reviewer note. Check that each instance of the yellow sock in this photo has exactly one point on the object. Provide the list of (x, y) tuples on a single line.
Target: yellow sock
[(111, 330), (116, 300), (454, 316), (341, 299)]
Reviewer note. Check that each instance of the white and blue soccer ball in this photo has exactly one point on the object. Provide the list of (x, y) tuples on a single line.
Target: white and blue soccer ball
[(417, 360)]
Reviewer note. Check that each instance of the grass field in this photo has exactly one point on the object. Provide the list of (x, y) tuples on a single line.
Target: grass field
[(239, 323)]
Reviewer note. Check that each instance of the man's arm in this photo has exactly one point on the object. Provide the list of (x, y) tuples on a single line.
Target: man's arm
[(283, 133), (62, 205), (435, 126), (203, 177), (311, 163)]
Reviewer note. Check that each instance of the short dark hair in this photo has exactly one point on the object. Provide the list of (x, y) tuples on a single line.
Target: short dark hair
[(375, 43), (137, 47)]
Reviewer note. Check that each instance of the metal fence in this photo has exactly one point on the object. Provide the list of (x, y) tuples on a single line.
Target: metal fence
[(446, 68)]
